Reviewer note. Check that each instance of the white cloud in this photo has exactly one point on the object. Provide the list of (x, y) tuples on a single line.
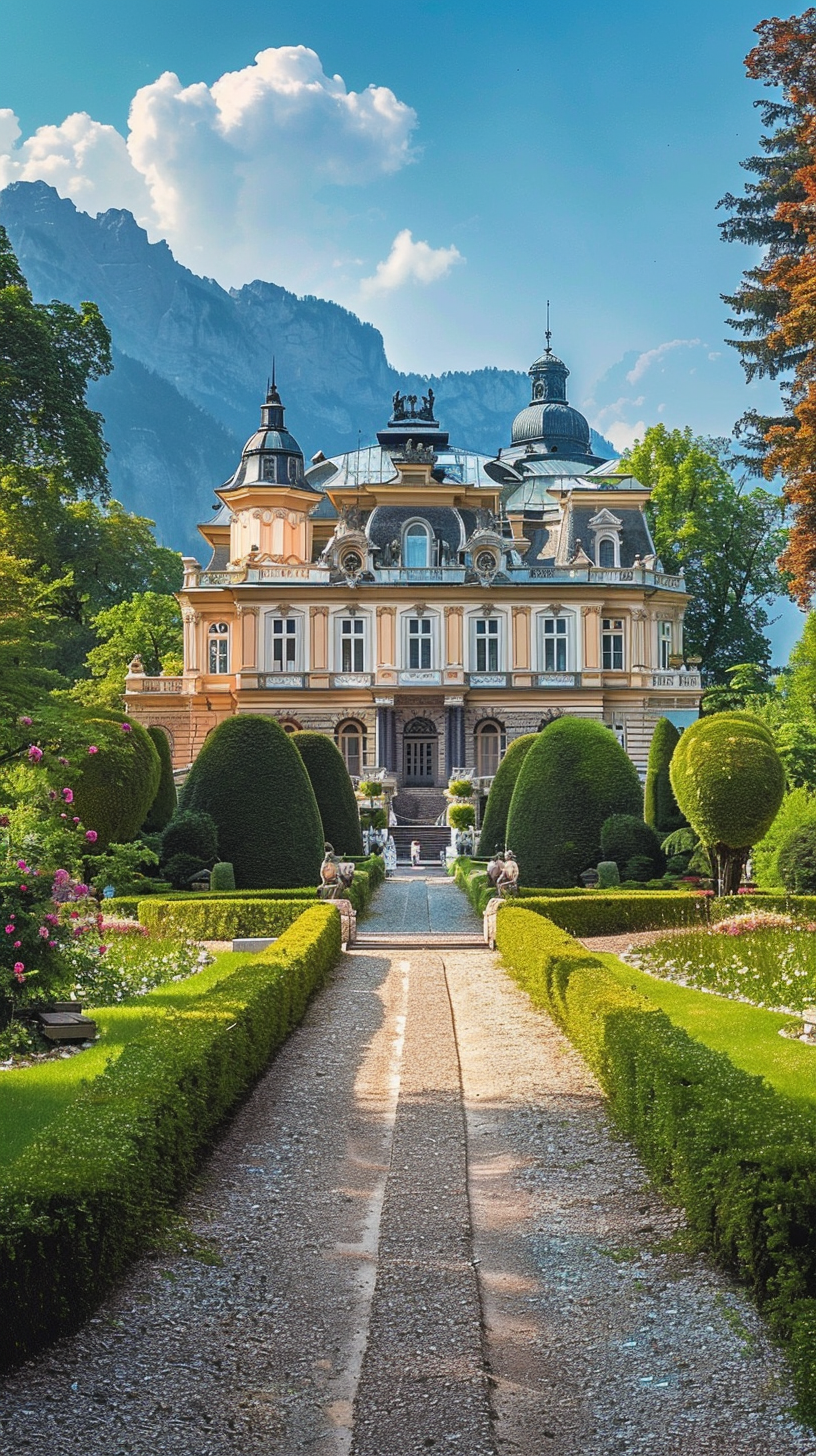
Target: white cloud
[(410, 262), (233, 175), (653, 356), (623, 436)]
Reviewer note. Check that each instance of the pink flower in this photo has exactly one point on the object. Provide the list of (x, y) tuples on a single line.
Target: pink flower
[(52, 945), (74, 914), (17, 944), (52, 794), (68, 796), (91, 836), (43, 932), (102, 949), (92, 748), (125, 727), (76, 819), (26, 722), (4, 821), (9, 930), (18, 968), (52, 919), (35, 753), (21, 865), (24, 888), (63, 816)]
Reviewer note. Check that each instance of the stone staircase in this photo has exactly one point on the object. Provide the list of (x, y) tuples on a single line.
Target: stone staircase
[(419, 806), (432, 841)]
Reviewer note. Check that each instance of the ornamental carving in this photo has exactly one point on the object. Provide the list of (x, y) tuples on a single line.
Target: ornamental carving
[(318, 612), (454, 611), (246, 611), (404, 407), (591, 611), (388, 611)]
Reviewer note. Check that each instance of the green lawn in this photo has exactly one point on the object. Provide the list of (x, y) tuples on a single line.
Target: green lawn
[(746, 1034), (32, 1096)]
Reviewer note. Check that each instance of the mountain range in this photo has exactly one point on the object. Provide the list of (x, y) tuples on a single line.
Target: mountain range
[(191, 361)]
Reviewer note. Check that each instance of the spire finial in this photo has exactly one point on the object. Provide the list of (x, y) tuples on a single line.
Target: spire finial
[(547, 331), (273, 358)]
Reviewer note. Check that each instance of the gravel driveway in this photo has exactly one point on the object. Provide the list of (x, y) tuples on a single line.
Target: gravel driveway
[(418, 1234)]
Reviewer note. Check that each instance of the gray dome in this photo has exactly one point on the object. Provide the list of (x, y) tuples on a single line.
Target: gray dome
[(271, 456), (554, 424)]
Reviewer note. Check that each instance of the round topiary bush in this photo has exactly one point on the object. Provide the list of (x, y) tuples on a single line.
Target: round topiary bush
[(461, 816), (251, 778), (797, 860), (625, 837), (574, 776), (493, 832), (223, 876), (333, 790), (460, 788), (190, 832), (729, 781), (115, 786), (163, 807), (660, 808), (608, 874)]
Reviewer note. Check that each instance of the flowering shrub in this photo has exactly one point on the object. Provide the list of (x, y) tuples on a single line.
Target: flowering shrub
[(128, 964), (767, 959)]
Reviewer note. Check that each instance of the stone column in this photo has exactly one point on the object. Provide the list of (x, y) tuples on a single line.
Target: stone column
[(641, 649), (191, 620), (386, 637), (454, 737), (521, 640), (319, 625), (248, 633), (453, 637), (592, 637)]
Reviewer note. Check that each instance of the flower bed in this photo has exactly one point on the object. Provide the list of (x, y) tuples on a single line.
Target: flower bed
[(75, 1206), (763, 957), (737, 1154)]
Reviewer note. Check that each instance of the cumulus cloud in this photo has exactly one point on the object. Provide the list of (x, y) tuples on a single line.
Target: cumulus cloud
[(234, 174), (653, 356), (622, 435), (410, 262)]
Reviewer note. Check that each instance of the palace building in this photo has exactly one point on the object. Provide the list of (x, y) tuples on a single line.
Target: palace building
[(425, 604)]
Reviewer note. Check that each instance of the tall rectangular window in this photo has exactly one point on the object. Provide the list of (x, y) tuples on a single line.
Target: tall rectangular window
[(556, 643), (352, 644), (284, 644), (218, 638), (419, 642), (487, 644), (664, 644), (612, 644)]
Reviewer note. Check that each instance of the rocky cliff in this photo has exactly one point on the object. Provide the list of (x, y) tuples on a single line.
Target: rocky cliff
[(191, 361)]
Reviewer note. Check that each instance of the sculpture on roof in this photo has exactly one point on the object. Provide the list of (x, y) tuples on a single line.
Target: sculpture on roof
[(404, 406)]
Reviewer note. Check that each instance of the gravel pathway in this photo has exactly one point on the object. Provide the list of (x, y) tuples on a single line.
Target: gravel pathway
[(418, 1234)]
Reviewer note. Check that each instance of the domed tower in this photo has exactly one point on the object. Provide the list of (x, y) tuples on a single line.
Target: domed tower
[(549, 427), (268, 496)]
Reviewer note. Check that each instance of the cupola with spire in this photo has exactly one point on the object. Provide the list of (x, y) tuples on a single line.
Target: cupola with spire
[(549, 426)]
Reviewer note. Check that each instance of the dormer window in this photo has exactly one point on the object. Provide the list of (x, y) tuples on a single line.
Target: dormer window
[(416, 549), (294, 473), (268, 469), (606, 551)]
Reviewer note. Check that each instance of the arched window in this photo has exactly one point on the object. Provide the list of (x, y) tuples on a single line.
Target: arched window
[(416, 545), (218, 638), (606, 551), (352, 741), (289, 725), (490, 746)]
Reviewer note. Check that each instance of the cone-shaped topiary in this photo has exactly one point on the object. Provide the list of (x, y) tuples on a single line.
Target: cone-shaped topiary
[(624, 838), (114, 787), (190, 831), (729, 781), (659, 804), (494, 824), (573, 777), (163, 807), (250, 777), (333, 790)]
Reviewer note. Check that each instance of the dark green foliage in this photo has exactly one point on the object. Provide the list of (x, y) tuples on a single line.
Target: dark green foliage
[(729, 782), (333, 790), (190, 832), (163, 807), (608, 874), (216, 919), (615, 913), (659, 804), (114, 788), (223, 876), (494, 824), (572, 778), (736, 1154), (251, 778), (76, 1207), (797, 860), (624, 838), (182, 868)]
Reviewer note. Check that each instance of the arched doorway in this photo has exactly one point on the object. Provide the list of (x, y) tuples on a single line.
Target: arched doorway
[(419, 752)]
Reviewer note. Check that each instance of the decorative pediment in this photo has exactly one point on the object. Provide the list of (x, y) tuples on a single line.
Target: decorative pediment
[(605, 521)]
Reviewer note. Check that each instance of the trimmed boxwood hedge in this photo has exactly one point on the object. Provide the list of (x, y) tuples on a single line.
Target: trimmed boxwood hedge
[(573, 777), (493, 833), (333, 790), (114, 788), (250, 777), (738, 1156), (659, 804), (219, 919), (75, 1207), (626, 837), (163, 807), (615, 911), (368, 875)]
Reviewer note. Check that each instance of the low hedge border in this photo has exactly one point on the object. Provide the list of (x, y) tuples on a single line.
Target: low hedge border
[(76, 1206), (738, 1156), (616, 912), (219, 919), (369, 873)]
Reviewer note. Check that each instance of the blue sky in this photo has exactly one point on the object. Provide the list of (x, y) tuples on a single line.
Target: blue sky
[(509, 154)]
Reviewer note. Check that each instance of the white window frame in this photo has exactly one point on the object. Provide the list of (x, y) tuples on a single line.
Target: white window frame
[(665, 644), (572, 640), (218, 637), (293, 627), (613, 628), (480, 735), (428, 633), (487, 632), (363, 734), (614, 540), (413, 527), (357, 637)]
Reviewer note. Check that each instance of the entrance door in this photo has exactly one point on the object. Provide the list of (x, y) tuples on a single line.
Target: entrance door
[(419, 752)]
